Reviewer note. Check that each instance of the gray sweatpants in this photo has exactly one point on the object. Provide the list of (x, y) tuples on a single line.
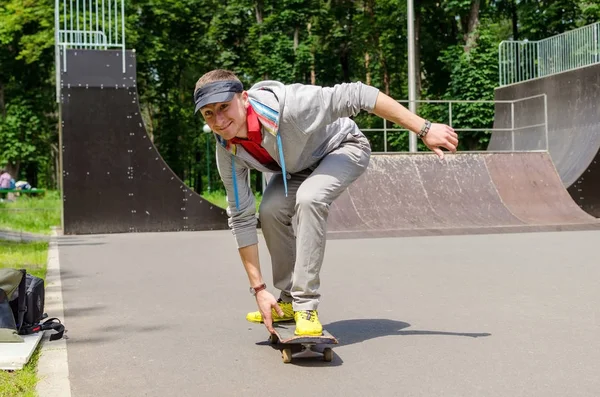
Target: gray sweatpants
[(297, 259)]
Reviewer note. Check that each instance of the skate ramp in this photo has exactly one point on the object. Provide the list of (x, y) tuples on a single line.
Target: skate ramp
[(573, 112), (114, 179), (466, 193)]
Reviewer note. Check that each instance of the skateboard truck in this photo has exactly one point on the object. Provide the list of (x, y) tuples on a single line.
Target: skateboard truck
[(284, 336)]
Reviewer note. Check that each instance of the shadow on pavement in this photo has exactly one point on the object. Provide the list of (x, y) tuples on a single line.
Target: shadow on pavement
[(359, 330)]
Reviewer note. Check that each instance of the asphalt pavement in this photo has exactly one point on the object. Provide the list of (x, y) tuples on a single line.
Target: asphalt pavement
[(163, 314)]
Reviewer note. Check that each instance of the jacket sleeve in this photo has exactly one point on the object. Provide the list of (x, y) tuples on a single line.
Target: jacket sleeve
[(311, 108), (242, 221)]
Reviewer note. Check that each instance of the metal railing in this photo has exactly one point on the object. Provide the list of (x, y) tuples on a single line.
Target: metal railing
[(513, 127), (87, 24), (524, 60)]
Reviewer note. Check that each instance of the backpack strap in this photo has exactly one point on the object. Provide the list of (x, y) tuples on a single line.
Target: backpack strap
[(54, 325), (50, 324), (22, 301)]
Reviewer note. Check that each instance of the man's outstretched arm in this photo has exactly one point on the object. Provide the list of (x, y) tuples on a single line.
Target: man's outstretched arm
[(439, 135), (264, 299)]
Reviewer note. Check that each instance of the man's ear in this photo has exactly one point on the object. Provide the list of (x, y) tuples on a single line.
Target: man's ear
[(245, 98)]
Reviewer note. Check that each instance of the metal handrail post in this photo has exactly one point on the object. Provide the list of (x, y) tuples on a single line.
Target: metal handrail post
[(512, 125), (546, 121), (385, 136)]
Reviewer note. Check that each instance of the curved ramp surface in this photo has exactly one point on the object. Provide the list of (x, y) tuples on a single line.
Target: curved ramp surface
[(114, 179), (573, 106), (417, 194)]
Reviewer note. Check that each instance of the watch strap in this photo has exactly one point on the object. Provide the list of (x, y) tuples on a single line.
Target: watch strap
[(255, 290)]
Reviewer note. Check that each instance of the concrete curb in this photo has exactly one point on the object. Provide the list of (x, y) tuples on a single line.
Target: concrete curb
[(53, 367)]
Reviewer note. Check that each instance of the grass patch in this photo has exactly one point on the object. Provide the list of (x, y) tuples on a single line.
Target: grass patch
[(33, 257), (31, 214), (21, 383), (219, 198)]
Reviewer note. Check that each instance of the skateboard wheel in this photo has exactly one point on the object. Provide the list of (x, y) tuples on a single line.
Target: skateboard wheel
[(286, 354), (328, 354), (273, 339)]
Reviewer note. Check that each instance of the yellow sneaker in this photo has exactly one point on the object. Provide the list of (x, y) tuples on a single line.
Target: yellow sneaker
[(288, 313), (307, 323)]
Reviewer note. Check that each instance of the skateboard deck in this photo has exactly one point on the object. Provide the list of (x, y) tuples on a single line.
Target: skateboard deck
[(284, 336)]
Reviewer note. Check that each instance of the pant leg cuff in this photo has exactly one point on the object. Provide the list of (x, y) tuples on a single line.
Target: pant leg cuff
[(305, 306)]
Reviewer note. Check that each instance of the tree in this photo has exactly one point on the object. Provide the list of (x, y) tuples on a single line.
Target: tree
[(28, 130)]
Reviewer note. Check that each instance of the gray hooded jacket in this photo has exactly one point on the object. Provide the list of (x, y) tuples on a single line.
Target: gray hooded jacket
[(300, 125)]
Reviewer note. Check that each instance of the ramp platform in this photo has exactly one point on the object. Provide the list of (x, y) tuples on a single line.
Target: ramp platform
[(466, 193)]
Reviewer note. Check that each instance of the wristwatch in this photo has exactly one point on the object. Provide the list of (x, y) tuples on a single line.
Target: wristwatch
[(254, 290), (424, 129)]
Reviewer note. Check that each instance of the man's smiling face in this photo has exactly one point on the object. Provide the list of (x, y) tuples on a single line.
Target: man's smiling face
[(228, 119)]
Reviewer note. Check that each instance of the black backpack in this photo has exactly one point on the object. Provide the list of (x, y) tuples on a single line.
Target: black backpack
[(27, 304)]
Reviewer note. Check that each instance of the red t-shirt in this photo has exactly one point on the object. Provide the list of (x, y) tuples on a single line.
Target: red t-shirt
[(252, 144)]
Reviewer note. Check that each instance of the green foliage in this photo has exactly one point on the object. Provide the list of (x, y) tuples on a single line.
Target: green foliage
[(25, 133), (177, 41), (27, 109), (543, 18), (28, 27), (473, 78), (590, 12)]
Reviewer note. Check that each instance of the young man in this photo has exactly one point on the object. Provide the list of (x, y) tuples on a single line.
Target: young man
[(305, 136)]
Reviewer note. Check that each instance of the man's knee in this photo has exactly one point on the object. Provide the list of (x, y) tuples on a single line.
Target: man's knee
[(309, 200)]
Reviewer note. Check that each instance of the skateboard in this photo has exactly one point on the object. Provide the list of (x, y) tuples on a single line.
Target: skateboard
[(291, 343)]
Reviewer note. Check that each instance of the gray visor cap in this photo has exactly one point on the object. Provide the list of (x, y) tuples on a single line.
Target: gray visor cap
[(218, 91)]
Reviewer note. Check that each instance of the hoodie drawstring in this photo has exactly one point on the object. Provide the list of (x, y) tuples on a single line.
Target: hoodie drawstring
[(235, 185), (282, 161)]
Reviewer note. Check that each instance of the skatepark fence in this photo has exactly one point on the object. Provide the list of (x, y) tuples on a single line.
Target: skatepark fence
[(525, 60), (447, 116), (87, 24)]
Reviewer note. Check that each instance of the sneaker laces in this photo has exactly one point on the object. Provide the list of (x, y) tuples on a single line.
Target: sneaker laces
[(308, 315)]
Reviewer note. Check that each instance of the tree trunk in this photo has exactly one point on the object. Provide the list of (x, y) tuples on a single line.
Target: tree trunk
[(259, 8), (386, 80), (31, 173), (386, 73), (515, 20), (199, 188), (345, 63), (367, 68), (56, 174), (13, 169), (470, 36), (369, 11), (345, 51), (2, 105), (313, 74), (296, 38)]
